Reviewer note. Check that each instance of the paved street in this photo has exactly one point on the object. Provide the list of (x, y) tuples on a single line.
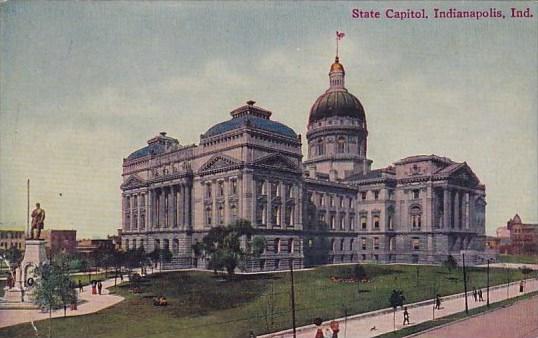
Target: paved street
[(517, 321), (379, 322), (92, 303)]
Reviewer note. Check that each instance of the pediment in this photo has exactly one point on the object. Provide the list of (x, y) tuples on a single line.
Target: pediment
[(132, 182), (277, 161), (219, 162), (464, 175)]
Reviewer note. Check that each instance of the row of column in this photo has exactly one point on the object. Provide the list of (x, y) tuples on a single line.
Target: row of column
[(170, 206), (134, 215), (458, 208)]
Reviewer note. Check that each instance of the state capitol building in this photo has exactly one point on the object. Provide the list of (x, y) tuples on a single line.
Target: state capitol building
[(331, 208)]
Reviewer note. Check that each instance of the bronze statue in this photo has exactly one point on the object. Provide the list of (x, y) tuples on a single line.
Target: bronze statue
[(38, 221)]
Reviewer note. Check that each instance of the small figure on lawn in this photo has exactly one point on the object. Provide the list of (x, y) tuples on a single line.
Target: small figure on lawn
[(406, 316), (99, 286), (438, 302)]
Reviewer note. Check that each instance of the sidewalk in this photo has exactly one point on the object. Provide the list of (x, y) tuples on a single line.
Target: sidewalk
[(91, 303), (375, 323)]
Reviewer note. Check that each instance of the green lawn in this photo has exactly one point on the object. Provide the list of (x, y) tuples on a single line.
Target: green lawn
[(517, 259), (202, 305)]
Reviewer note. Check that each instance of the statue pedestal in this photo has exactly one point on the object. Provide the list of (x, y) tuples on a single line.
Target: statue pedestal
[(20, 295)]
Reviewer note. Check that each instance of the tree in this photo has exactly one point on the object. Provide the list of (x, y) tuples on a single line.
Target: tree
[(359, 272), (450, 263), (53, 286), (396, 299), (13, 255), (222, 245)]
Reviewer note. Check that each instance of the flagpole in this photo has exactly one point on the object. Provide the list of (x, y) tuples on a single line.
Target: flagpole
[(336, 44), (27, 206)]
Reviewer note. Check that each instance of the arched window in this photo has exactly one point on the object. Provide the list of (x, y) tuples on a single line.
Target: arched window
[(341, 144)]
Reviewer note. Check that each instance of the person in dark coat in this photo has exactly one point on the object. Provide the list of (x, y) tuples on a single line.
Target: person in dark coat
[(99, 286), (480, 298), (80, 288), (475, 294), (438, 302)]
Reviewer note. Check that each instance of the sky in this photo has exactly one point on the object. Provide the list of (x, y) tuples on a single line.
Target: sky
[(83, 84)]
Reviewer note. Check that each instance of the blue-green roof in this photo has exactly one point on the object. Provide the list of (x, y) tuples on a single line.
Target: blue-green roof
[(252, 121)]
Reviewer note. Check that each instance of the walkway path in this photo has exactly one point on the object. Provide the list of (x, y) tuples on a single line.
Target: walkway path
[(375, 323), (517, 321), (91, 304)]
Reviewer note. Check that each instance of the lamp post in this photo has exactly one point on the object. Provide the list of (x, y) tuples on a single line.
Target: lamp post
[(487, 290)]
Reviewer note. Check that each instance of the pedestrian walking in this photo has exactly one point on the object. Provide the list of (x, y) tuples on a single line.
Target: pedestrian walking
[(521, 287), (94, 287), (406, 316), (99, 286), (438, 302), (80, 288), (319, 330), (475, 294), (480, 298)]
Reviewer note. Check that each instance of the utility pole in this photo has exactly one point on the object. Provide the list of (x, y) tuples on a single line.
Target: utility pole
[(292, 299), (465, 284), (487, 292)]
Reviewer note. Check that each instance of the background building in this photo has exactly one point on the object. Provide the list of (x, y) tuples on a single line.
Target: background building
[(57, 241), (89, 247), (12, 238), (523, 237), (332, 208)]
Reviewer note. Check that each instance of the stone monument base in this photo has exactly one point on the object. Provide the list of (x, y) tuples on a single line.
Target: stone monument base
[(20, 296)]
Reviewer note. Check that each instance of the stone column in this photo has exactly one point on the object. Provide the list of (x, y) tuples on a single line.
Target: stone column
[(269, 218), (138, 209), (226, 187), (283, 205), (457, 209), (172, 206), (253, 198), (446, 208), (188, 198), (149, 206), (146, 209), (131, 211), (123, 209), (161, 208), (471, 210)]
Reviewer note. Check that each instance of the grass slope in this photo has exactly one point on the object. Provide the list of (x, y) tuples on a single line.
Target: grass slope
[(202, 305)]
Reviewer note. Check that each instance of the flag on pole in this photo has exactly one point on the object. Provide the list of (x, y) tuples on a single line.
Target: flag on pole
[(340, 35)]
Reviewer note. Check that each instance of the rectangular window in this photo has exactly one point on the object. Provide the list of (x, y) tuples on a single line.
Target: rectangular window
[(351, 222), (260, 214), (391, 194), (331, 199), (416, 243), (233, 186), (364, 243), (376, 195), (221, 188), (363, 195), (322, 217), (289, 191), (321, 200), (332, 222), (341, 203), (351, 203), (364, 221), (376, 243), (342, 223), (209, 215), (416, 194), (208, 190), (376, 221)]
